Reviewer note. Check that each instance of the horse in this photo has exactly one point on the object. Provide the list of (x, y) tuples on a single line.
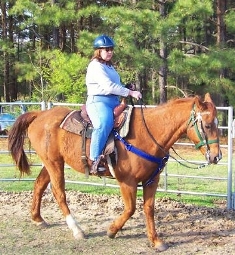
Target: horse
[(153, 131)]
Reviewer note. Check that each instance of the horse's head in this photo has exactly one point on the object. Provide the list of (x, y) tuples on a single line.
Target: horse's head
[(203, 129)]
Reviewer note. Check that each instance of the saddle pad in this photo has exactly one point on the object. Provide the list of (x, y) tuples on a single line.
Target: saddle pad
[(125, 128), (72, 122)]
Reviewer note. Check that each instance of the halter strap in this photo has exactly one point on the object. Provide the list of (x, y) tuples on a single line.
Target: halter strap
[(197, 117)]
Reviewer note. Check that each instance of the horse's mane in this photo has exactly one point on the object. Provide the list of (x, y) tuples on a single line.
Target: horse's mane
[(177, 100), (181, 99)]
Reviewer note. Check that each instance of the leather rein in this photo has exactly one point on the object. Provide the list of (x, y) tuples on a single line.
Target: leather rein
[(161, 161)]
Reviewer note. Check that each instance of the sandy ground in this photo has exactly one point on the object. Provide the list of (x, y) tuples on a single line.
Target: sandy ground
[(187, 229)]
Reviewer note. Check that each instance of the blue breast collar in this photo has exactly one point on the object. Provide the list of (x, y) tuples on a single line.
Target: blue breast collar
[(161, 161)]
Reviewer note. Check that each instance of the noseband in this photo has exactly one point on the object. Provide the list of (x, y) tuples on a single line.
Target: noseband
[(196, 121)]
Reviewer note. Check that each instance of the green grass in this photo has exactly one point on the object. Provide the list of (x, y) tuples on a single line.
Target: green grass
[(16, 186), (101, 186), (191, 199), (178, 184), (19, 186)]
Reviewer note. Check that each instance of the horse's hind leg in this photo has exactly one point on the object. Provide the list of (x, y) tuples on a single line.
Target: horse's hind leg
[(56, 173), (149, 202), (39, 187), (129, 198)]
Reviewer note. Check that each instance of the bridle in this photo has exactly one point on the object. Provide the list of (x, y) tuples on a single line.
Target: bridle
[(196, 121)]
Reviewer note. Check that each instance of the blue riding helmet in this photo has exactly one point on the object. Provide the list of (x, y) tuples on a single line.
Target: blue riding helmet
[(103, 41)]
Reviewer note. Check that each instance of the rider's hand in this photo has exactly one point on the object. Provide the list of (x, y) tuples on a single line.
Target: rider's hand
[(136, 94), (131, 86)]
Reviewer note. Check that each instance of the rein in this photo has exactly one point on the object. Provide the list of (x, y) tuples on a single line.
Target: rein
[(161, 161), (202, 142)]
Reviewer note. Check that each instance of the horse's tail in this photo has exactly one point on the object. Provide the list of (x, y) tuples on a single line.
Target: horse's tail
[(16, 139)]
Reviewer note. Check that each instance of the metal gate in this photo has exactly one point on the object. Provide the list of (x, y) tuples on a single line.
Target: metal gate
[(168, 175)]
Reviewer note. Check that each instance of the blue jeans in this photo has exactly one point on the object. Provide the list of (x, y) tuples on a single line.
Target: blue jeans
[(100, 110)]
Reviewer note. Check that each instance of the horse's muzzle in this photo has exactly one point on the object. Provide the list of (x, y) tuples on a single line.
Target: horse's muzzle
[(213, 159)]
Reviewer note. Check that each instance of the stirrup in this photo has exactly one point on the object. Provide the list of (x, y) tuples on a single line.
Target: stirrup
[(95, 167)]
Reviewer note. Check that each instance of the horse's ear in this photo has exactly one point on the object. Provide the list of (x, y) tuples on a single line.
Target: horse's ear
[(208, 98), (199, 103)]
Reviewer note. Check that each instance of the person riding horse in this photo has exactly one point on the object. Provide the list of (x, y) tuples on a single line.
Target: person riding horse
[(103, 88)]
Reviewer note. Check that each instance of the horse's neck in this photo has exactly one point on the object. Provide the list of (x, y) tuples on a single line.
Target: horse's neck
[(165, 124)]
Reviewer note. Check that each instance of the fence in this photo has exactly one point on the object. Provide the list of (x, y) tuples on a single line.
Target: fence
[(216, 180)]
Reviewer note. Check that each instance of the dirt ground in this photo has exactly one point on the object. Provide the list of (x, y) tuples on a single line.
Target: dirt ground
[(187, 229)]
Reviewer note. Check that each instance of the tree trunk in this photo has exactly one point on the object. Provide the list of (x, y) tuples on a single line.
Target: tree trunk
[(163, 55), (12, 80), (5, 54), (55, 32), (221, 32)]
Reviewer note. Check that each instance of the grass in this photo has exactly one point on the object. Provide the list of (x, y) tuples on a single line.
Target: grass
[(26, 185), (101, 186), (208, 201), (173, 184)]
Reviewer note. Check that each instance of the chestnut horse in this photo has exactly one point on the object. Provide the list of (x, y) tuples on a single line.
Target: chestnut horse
[(152, 131)]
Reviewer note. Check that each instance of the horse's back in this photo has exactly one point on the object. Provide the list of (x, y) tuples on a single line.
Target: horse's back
[(45, 132), (48, 120), (54, 115)]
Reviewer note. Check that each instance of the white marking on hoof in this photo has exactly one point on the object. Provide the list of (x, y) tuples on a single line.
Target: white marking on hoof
[(73, 225), (79, 235)]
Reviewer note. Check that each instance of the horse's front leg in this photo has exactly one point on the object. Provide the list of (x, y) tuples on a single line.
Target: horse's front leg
[(128, 192), (149, 202)]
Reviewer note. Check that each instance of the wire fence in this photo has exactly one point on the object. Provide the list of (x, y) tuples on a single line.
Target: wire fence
[(177, 177)]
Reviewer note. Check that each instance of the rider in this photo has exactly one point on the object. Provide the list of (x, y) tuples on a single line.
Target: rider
[(103, 89)]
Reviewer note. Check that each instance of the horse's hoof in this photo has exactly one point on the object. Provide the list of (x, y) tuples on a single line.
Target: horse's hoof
[(111, 234), (161, 247), (41, 224), (79, 236)]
